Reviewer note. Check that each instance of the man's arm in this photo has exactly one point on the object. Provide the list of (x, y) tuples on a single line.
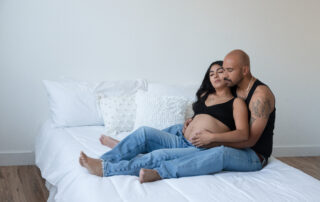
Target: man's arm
[(261, 105)]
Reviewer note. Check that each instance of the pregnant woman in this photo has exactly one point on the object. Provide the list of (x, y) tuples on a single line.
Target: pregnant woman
[(217, 111)]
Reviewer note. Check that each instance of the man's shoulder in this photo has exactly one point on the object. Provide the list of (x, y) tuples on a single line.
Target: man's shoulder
[(263, 96), (263, 91)]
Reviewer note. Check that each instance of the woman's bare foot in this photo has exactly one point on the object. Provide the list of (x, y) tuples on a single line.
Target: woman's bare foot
[(148, 175), (108, 141), (94, 166)]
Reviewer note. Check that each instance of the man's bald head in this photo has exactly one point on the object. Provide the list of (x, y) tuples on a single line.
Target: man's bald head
[(239, 57), (237, 66)]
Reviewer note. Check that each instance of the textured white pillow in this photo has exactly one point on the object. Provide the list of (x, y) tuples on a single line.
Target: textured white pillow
[(118, 112), (189, 110), (159, 111), (187, 91)]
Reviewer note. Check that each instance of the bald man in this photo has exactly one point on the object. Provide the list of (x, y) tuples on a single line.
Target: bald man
[(249, 155)]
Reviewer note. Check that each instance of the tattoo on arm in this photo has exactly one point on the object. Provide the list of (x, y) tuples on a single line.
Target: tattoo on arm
[(261, 108), (252, 119)]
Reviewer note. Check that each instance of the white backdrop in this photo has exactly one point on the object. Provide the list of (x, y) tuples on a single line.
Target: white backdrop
[(171, 41)]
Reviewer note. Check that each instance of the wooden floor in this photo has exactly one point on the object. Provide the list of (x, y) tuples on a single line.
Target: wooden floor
[(24, 183), (309, 165)]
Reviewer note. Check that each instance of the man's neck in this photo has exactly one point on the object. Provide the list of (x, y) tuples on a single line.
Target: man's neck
[(244, 84)]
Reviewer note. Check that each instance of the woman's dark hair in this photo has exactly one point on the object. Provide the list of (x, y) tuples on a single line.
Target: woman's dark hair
[(206, 86)]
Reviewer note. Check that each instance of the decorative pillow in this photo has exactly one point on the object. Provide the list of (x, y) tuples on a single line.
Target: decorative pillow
[(118, 112), (159, 111), (187, 91), (189, 110)]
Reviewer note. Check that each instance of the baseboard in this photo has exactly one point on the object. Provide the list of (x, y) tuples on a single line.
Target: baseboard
[(17, 158), (298, 150)]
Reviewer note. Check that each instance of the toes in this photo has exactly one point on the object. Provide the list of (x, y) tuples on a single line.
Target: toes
[(141, 175), (83, 156), (80, 161)]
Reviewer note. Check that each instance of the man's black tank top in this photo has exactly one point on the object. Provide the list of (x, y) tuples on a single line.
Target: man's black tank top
[(223, 112), (264, 144)]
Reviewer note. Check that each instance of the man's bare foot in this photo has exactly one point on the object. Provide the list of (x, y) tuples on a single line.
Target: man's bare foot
[(148, 175), (94, 166), (108, 141)]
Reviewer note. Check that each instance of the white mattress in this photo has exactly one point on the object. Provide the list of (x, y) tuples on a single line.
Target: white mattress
[(57, 152)]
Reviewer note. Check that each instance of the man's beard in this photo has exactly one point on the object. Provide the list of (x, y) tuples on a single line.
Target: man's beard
[(232, 84), (229, 82)]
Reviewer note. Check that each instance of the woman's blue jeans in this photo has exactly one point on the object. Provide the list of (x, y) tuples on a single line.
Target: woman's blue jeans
[(156, 145), (168, 152)]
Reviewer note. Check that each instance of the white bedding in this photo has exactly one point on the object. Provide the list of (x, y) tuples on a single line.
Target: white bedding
[(57, 152)]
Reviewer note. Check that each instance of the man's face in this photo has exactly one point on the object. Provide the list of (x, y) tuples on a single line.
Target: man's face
[(232, 71)]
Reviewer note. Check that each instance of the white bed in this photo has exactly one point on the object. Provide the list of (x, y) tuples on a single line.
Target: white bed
[(57, 151)]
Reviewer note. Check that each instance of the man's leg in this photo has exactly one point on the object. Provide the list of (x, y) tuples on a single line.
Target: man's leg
[(143, 140), (210, 161), (149, 160)]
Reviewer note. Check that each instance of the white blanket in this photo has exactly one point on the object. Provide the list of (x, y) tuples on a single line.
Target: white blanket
[(57, 153)]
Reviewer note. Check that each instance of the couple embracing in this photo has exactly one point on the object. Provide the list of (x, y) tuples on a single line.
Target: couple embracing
[(231, 130)]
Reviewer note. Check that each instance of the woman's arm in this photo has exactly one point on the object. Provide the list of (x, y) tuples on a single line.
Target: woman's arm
[(241, 133)]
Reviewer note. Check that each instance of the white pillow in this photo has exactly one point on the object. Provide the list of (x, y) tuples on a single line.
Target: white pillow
[(159, 111), (75, 103), (118, 88), (118, 112), (72, 104), (187, 91)]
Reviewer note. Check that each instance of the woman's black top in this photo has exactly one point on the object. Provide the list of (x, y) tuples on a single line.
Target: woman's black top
[(223, 112)]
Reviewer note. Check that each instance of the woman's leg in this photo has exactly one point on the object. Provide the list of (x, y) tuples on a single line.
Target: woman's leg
[(149, 160), (174, 129), (209, 161), (143, 140), (111, 142)]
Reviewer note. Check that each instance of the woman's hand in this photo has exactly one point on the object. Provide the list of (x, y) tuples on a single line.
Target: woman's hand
[(202, 138), (186, 123)]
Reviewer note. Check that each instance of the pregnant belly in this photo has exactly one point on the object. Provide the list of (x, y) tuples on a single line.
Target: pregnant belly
[(204, 122)]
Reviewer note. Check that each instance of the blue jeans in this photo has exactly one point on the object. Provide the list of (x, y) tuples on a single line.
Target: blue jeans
[(156, 145), (210, 161)]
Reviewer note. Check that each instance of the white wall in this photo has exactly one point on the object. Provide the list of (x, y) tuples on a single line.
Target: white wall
[(172, 41)]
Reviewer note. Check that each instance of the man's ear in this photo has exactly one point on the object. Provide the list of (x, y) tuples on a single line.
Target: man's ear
[(245, 70)]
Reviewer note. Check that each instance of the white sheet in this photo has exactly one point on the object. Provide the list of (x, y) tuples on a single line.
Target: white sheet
[(57, 152)]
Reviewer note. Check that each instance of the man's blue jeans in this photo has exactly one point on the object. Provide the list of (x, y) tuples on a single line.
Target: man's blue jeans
[(168, 152), (156, 145)]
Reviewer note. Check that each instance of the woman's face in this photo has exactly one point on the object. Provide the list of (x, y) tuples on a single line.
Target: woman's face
[(216, 76)]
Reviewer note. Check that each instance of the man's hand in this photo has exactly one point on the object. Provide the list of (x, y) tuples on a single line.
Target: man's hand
[(202, 138), (186, 123)]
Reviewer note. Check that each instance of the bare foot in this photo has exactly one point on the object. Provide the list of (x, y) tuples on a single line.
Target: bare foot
[(148, 175), (108, 141), (94, 166)]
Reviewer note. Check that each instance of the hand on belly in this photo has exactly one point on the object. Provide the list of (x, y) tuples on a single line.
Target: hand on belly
[(202, 138), (202, 128)]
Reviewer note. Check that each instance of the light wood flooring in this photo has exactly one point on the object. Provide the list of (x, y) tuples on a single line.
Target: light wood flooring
[(25, 184)]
